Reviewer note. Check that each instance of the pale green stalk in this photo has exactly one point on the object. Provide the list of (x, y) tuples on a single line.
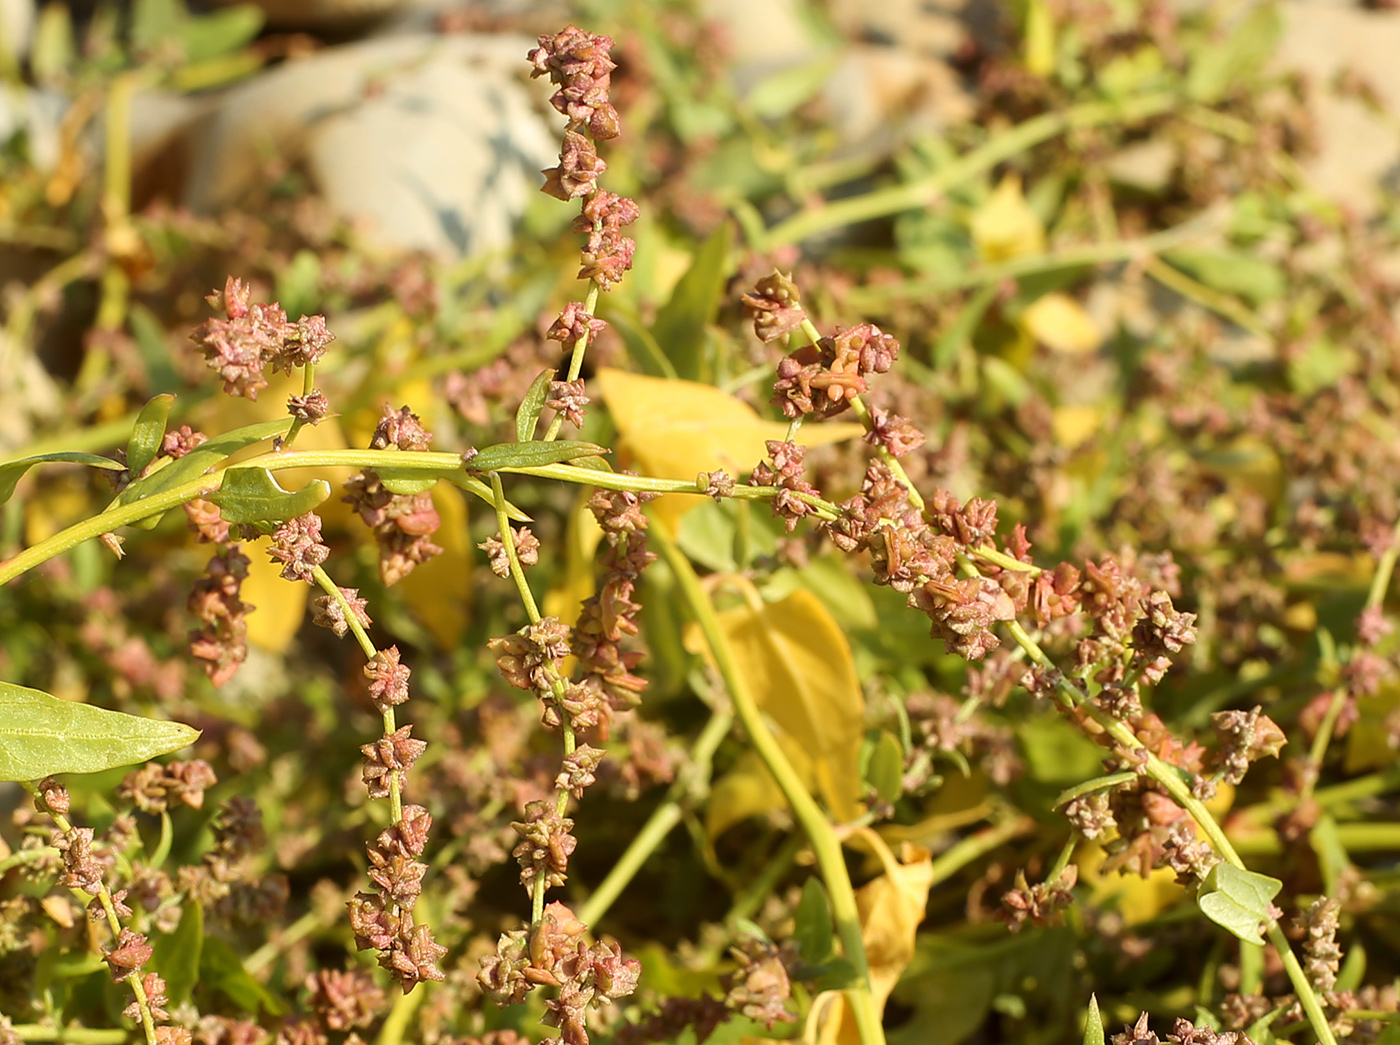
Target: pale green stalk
[(825, 845)]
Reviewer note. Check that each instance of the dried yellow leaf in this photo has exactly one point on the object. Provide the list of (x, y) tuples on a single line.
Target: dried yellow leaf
[(1060, 323), (1005, 226), (676, 429)]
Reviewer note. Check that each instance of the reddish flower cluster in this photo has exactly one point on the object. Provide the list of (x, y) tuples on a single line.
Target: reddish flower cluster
[(527, 550), (822, 379), (578, 63), (222, 641), (402, 523), (608, 253), (383, 920), (776, 306), (1039, 903), (255, 336), (786, 474), (604, 673), (328, 611), (297, 545), (555, 955), (154, 786)]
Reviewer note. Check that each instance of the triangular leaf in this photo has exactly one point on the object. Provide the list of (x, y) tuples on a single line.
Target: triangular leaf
[(799, 664), (1238, 900), (41, 735), (12, 471), (202, 458), (1093, 1023), (251, 495)]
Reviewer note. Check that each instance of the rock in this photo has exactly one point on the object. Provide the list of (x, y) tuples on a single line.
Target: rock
[(427, 142), (1358, 150)]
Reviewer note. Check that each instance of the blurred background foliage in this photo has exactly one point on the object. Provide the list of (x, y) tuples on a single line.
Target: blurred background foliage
[(1128, 314)]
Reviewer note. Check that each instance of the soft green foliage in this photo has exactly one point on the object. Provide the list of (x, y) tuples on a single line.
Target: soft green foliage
[(41, 735)]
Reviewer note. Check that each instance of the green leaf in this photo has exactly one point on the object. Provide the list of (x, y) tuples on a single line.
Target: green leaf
[(680, 327), (177, 954), (1217, 67), (147, 433), (251, 495), (1237, 900), (531, 455), (41, 735), (201, 459), (641, 345), (407, 482), (529, 413), (11, 471), (1245, 275), (1093, 1023), (155, 20), (221, 969), (812, 929), (885, 773), (219, 33)]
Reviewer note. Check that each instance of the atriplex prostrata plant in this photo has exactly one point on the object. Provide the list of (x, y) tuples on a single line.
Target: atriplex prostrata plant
[(1115, 620)]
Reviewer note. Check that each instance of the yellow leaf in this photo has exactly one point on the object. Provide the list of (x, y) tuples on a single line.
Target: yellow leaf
[(1060, 323), (576, 582), (799, 665), (1136, 898), (748, 789), (1005, 226), (279, 604), (438, 589), (676, 429), (1075, 425), (891, 908)]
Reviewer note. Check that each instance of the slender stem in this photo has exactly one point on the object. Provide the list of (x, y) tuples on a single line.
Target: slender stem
[(1221, 304), (1118, 250), (576, 359), (825, 845), (863, 412), (666, 816), (1002, 147), (1171, 781), (114, 924), (408, 461), (977, 845), (390, 720), (69, 1035), (1375, 597)]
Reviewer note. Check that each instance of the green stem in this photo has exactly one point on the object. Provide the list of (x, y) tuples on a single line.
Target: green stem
[(825, 844), (863, 413), (114, 924), (665, 817), (1004, 146), (977, 845), (1171, 781), (69, 1035), (1375, 596), (390, 720), (407, 461), (865, 299), (576, 359)]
